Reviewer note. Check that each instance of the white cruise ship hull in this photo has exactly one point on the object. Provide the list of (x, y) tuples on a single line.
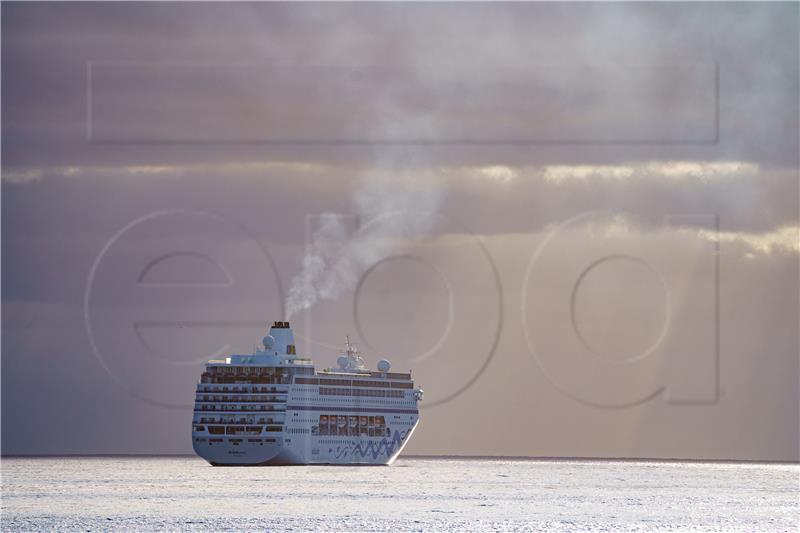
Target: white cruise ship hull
[(273, 408), (305, 451)]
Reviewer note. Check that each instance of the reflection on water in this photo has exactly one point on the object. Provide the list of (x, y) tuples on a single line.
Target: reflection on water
[(430, 494)]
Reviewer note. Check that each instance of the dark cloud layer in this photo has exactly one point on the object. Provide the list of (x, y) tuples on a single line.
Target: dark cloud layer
[(543, 60)]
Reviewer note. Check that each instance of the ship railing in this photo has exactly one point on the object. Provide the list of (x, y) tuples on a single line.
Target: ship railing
[(240, 393), (272, 390), (202, 409), (237, 421), (214, 400)]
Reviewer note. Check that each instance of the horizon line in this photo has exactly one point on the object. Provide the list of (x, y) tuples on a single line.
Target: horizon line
[(542, 458)]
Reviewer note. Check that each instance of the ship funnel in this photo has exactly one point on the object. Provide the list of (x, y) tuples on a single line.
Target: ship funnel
[(283, 343)]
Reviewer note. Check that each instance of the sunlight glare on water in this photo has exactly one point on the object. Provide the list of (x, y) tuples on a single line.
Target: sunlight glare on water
[(143, 493)]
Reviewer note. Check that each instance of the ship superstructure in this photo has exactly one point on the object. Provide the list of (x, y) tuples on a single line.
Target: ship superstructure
[(274, 408)]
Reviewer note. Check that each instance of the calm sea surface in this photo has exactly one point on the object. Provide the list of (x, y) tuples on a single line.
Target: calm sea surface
[(145, 493)]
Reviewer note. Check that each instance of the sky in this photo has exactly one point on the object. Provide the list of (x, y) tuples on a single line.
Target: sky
[(576, 223)]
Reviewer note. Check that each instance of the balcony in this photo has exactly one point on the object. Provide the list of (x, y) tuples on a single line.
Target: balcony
[(238, 399), (227, 408)]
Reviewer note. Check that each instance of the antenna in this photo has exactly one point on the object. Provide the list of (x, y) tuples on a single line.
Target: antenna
[(351, 360)]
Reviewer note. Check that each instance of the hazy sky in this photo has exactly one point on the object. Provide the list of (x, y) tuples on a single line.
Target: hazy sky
[(577, 224)]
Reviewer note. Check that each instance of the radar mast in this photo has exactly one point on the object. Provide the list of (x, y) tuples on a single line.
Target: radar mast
[(351, 360)]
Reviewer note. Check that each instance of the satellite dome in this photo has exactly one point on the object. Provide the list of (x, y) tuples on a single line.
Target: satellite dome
[(269, 342), (342, 362), (384, 365)]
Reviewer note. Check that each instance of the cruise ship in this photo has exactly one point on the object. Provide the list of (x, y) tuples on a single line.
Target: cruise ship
[(274, 408)]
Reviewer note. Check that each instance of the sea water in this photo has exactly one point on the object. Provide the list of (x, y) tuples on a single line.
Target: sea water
[(185, 493)]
